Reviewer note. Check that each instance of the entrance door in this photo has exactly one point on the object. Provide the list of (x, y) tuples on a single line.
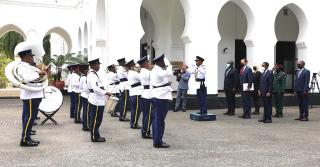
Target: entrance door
[(240, 52), (286, 55), (143, 50)]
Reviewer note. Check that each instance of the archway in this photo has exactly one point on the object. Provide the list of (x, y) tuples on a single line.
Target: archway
[(290, 25), (233, 26), (8, 41), (11, 27), (146, 42)]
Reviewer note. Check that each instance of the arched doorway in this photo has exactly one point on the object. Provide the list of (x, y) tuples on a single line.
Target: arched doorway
[(233, 26), (290, 29)]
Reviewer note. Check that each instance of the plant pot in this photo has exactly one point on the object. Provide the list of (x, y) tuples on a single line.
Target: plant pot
[(58, 84)]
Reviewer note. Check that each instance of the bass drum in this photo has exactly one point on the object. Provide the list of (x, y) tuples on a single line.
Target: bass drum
[(111, 104), (52, 100)]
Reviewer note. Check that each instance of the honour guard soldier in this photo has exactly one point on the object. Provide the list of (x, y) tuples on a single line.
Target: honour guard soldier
[(200, 76), (122, 72), (246, 79), (113, 86), (301, 88), (146, 97), (136, 90), (84, 97), (31, 99), (161, 94), (279, 86), (75, 87), (72, 103), (265, 91), (97, 100)]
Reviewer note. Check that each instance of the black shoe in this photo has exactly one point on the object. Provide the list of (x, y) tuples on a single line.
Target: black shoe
[(33, 132), (276, 116), (78, 121), (72, 116), (144, 136), (114, 115), (231, 114), (226, 113), (261, 120), (86, 129), (267, 121), (247, 117), (38, 118), (241, 116), (298, 119), (255, 113), (35, 141), (135, 127), (99, 140), (28, 144), (163, 145), (175, 110), (124, 119), (183, 110)]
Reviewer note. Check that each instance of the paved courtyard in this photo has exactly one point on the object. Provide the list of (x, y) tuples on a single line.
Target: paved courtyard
[(229, 141)]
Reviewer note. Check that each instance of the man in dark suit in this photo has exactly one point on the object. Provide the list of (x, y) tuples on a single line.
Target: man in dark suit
[(231, 78), (265, 91), (256, 85), (246, 78), (301, 88)]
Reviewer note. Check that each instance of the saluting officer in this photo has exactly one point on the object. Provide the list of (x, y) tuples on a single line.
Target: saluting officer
[(136, 90), (279, 86), (161, 94), (31, 99), (200, 75), (97, 99), (113, 86), (124, 90), (84, 97), (146, 107), (75, 87)]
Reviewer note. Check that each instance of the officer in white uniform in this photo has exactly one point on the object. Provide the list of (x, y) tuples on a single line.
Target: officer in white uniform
[(31, 99), (72, 103), (97, 100), (113, 87), (200, 76), (146, 107), (124, 89), (136, 90), (161, 94), (84, 97), (75, 87)]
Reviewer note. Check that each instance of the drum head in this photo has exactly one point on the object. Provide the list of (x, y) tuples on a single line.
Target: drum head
[(52, 100)]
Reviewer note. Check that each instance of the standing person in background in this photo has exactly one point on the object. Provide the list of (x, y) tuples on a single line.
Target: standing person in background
[(301, 88), (75, 85), (68, 80), (182, 88), (246, 78), (84, 97), (122, 72), (256, 86), (146, 107), (265, 91), (279, 86), (113, 87), (231, 78)]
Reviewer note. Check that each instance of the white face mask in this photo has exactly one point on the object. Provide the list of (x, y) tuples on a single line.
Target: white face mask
[(228, 65), (263, 69)]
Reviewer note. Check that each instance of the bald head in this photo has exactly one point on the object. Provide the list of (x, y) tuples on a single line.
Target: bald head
[(301, 64)]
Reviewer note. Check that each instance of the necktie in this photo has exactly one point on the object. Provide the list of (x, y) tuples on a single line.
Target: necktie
[(241, 71)]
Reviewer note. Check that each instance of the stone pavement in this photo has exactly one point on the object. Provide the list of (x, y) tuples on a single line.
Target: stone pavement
[(229, 141)]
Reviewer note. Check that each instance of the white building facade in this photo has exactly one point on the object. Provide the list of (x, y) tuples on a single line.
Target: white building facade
[(276, 31)]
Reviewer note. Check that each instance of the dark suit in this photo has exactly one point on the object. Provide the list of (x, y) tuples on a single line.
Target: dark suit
[(266, 86), (230, 86), (246, 76), (256, 97), (301, 86)]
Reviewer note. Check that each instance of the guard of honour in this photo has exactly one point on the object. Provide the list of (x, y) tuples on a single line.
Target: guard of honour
[(147, 89)]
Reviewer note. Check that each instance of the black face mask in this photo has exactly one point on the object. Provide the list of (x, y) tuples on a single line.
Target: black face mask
[(241, 65), (299, 66)]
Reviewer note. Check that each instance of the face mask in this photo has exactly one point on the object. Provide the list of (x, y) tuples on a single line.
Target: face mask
[(228, 65), (263, 69), (241, 65), (299, 66)]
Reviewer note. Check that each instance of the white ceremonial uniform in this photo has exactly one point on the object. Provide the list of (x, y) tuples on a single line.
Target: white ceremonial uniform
[(159, 77), (29, 74), (145, 81), (75, 83), (200, 73), (84, 87), (98, 96), (122, 74), (134, 78), (113, 79), (68, 80)]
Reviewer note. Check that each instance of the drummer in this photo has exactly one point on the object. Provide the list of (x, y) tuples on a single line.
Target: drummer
[(97, 99), (136, 90), (31, 99), (113, 86), (146, 107), (84, 96)]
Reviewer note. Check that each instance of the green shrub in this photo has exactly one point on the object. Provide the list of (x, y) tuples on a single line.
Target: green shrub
[(3, 63)]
